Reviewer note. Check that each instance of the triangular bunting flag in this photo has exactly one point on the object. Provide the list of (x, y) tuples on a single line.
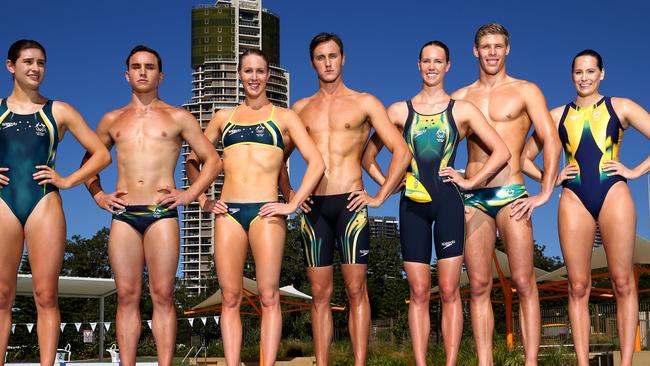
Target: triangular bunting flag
[(149, 323), (93, 326), (78, 326), (191, 320), (29, 327), (204, 319), (107, 326), (62, 326), (13, 328), (216, 320)]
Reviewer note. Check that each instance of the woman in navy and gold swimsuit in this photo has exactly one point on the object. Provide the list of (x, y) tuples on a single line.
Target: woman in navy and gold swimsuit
[(248, 214), (595, 192), (30, 205)]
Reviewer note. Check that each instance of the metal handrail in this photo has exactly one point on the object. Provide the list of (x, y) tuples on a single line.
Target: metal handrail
[(187, 355)]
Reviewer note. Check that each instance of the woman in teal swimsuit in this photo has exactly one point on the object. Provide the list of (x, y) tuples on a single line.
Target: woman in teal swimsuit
[(253, 136), (595, 192), (30, 205)]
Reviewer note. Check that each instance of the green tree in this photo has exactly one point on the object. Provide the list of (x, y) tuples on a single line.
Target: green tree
[(87, 257)]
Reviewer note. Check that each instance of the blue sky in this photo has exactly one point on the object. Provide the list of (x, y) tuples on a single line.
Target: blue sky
[(88, 41)]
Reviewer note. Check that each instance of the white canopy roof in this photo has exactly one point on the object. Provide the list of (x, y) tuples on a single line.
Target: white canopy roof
[(83, 287), (251, 287)]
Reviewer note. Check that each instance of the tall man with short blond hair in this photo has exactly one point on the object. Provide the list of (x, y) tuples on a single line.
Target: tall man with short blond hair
[(510, 105)]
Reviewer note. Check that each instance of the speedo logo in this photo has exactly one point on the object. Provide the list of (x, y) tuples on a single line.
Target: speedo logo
[(233, 210), (8, 124), (234, 130), (364, 252), (419, 133), (447, 244)]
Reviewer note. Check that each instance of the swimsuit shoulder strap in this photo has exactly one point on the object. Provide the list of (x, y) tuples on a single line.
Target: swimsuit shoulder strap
[(232, 114), (409, 117)]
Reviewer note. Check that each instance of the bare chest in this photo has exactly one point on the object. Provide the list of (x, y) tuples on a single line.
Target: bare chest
[(501, 106), (134, 132), (333, 117)]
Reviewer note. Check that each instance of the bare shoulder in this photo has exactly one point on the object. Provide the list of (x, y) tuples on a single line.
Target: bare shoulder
[(366, 99), (463, 92), (302, 103), (179, 115), (398, 113), (398, 108), (463, 105), (556, 113), (286, 115), (621, 103), (527, 88), (222, 115), (62, 108), (115, 115)]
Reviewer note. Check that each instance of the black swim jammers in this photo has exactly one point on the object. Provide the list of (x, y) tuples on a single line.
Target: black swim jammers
[(330, 224)]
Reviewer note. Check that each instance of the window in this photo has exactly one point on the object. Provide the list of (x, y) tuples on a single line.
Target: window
[(206, 49), (207, 21), (206, 30), (219, 29), (219, 48), (219, 39), (206, 40)]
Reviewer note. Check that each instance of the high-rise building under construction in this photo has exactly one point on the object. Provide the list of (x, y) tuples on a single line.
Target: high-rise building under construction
[(220, 33)]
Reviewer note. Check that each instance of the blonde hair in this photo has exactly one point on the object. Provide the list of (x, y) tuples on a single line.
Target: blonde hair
[(490, 29)]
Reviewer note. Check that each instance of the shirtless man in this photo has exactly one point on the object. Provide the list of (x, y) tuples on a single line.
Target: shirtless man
[(510, 106), (147, 134), (339, 120)]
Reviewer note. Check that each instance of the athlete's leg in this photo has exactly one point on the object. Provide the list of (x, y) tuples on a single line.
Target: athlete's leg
[(356, 288), (577, 228), (317, 234), (45, 239), (161, 251), (452, 310), (126, 254), (266, 237), (518, 239), (419, 277), (322, 285), (617, 222), (479, 249), (230, 249), (11, 250)]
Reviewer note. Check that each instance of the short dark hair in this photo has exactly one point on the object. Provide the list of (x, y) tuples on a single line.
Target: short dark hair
[(589, 52), (143, 48), (491, 29), (322, 38), (250, 52), (438, 44), (22, 44)]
